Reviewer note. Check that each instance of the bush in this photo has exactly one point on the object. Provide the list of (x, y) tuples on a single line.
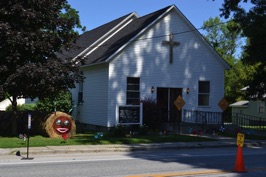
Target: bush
[(119, 131), (23, 107), (61, 103), (151, 113)]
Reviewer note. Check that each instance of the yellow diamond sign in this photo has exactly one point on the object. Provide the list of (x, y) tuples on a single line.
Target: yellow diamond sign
[(223, 104), (179, 102)]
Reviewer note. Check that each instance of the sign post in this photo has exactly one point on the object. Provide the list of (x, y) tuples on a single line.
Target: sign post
[(28, 138), (223, 104), (179, 103)]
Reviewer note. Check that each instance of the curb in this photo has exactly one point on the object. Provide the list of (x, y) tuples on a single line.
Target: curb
[(219, 143), (112, 148)]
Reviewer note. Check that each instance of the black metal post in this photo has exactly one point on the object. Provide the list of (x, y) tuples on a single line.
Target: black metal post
[(28, 143), (179, 121), (28, 138)]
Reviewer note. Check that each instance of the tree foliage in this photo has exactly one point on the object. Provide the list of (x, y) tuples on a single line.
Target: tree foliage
[(253, 25), (32, 33), (257, 83), (226, 39), (62, 102)]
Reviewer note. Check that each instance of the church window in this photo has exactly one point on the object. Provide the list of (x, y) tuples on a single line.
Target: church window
[(133, 93), (204, 93)]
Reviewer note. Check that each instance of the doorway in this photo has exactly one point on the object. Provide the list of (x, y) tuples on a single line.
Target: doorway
[(165, 102)]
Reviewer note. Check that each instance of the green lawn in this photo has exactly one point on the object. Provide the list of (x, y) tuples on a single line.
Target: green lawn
[(89, 139)]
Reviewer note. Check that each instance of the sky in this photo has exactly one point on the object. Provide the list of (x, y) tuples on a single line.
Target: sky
[(94, 13)]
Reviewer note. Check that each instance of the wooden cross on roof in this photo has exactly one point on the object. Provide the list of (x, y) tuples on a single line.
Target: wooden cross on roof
[(171, 44)]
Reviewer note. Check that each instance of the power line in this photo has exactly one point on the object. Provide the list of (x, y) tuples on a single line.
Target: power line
[(154, 37)]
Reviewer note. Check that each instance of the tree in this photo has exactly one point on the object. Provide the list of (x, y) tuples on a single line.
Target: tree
[(62, 102), (257, 83), (253, 24), (236, 79), (32, 34), (225, 39)]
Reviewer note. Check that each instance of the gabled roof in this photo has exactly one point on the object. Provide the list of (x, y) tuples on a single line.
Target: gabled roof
[(245, 88), (100, 44), (128, 32), (97, 45), (243, 103), (90, 37)]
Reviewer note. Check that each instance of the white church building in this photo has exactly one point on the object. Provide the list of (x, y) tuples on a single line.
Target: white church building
[(160, 56)]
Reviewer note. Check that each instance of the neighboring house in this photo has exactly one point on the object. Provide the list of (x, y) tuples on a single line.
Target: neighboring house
[(254, 108), (5, 103), (239, 106), (160, 56)]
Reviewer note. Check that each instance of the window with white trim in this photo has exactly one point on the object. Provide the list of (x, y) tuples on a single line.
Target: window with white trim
[(133, 93), (204, 93)]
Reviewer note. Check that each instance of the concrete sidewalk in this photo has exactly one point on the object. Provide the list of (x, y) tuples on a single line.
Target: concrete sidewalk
[(219, 142)]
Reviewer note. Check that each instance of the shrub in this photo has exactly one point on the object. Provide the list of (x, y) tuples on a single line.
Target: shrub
[(62, 103), (23, 107), (119, 131), (151, 113)]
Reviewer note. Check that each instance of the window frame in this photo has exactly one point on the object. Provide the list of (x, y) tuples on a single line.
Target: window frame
[(202, 95), (80, 93), (261, 106), (133, 91)]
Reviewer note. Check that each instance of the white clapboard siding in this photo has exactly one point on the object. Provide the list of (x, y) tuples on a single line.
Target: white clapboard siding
[(95, 96), (148, 59)]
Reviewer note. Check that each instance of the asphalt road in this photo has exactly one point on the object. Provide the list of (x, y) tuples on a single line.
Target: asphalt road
[(164, 163)]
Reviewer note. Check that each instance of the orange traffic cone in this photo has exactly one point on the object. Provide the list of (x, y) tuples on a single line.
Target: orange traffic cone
[(239, 165)]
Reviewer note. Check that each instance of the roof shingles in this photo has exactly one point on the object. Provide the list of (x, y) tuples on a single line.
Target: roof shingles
[(104, 51), (89, 37)]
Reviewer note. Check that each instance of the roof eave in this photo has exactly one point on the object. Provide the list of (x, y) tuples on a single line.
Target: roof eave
[(195, 31), (83, 53), (139, 34)]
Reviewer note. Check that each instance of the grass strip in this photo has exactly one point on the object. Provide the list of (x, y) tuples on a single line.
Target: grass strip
[(89, 139)]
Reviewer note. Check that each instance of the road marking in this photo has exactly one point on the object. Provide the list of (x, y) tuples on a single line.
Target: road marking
[(182, 173), (203, 172), (64, 161)]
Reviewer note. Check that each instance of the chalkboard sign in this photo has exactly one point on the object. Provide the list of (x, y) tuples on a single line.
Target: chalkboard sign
[(129, 114)]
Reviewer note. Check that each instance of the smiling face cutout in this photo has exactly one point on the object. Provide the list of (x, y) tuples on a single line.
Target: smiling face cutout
[(62, 125)]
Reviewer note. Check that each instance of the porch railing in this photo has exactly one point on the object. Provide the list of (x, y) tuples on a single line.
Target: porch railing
[(202, 117)]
